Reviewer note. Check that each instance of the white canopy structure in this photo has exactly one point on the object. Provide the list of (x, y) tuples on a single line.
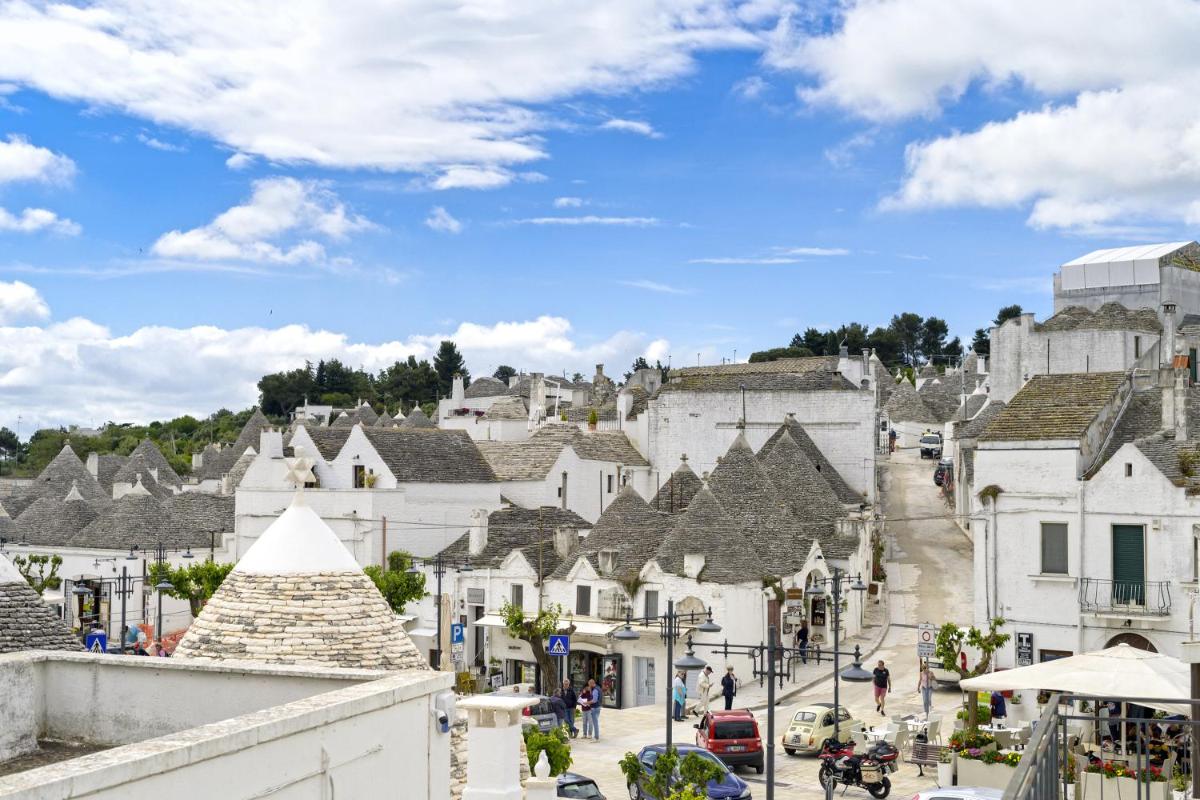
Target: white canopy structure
[(1120, 671)]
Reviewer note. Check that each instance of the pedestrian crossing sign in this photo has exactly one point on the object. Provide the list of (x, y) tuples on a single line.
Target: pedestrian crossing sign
[(560, 645)]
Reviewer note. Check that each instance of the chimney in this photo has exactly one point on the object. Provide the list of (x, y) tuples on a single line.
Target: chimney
[(494, 745), (624, 403), (1166, 372), (458, 393), (270, 443), (478, 535), (514, 380), (565, 540), (93, 464), (197, 461), (693, 565), (1180, 422), (599, 370), (1166, 353)]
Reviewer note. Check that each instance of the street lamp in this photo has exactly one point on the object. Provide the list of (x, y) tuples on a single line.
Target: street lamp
[(669, 632), (854, 673), (440, 567)]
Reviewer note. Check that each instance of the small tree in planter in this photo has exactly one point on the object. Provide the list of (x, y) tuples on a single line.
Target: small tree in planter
[(556, 745), (951, 640), (536, 632), (593, 419)]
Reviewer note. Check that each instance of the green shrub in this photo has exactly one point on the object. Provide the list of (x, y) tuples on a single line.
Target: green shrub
[(556, 745)]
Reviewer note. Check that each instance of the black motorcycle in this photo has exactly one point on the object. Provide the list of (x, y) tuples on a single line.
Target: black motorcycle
[(840, 764)]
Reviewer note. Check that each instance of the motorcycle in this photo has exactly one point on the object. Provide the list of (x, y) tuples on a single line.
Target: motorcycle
[(840, 764)]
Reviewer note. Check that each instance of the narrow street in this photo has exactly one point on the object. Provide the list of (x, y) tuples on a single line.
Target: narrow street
[(929, 580)]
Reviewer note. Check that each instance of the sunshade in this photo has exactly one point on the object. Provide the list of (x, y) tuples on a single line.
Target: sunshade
[(1120, 671)]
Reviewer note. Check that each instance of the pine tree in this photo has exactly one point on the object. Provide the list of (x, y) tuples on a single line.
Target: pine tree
[(449, 362)]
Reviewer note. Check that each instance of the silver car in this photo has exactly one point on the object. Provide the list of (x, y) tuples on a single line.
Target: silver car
[(960, 793)]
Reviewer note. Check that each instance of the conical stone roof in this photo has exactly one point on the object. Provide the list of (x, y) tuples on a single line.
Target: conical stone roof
[(154, 457), (416, 419), (674, 495), (137, 518), (8, 526), (63, 471), (706, 529), (26, 622), (828, 471), (385, 420), (298, 597), (138, 468), (53, 523), (630, 528)]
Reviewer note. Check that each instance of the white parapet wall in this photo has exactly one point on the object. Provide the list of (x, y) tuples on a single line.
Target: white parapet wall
[(232, 730)]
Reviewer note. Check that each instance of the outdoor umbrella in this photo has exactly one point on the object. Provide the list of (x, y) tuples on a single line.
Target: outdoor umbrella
[(1120, 671)]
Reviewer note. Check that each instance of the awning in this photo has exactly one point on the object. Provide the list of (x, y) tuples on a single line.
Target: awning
[(583, 627), (1120, 671), (430, 633)]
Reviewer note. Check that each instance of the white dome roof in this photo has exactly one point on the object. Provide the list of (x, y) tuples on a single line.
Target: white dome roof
[(298, 543)]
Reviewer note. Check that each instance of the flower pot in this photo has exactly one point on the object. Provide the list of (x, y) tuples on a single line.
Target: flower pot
[(975, 773), (945, 774)]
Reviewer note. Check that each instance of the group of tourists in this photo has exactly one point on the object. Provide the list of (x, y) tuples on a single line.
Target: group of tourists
[(588, 700)]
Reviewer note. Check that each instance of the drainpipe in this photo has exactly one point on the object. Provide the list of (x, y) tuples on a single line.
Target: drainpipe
[(1082, 529), (995, 555)]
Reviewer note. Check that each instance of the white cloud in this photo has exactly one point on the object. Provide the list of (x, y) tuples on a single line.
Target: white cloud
[(356, 84), (239, 161), (32, 220), (654, 286), (632, 126), (19, 301), (746, 260), (751, 88), (22, 161), (1111, 141), (569, 202), (780, 255), (440, 220), (813, 251), (159, 144), (590, 219), (77, 371), (278, 207)]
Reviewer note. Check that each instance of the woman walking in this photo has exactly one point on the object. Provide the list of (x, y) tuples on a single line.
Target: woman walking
[(925, 683)]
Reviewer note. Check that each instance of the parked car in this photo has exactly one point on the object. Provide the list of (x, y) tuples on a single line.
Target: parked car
[(733, 737), (578, 787), (812, 725), (931, 445), (541, 714), (945, 467), (730, 787), (960, 793)]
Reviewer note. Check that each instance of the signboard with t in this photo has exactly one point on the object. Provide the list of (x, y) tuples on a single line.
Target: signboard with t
[(926, 640), (559, 645), (1024, 649), (96, 641), (456, 633)]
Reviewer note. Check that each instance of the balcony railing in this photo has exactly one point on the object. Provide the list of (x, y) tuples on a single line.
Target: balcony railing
[(1135, 598)]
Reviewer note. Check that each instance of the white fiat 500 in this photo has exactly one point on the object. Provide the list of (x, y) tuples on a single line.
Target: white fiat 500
[(811, 725)]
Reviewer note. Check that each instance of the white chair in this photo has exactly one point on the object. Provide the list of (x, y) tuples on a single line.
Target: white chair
[(860, 741), (900, 740), (934, 730)]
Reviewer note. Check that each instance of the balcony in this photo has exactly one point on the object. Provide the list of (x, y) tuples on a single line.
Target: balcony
[(1125, 598)]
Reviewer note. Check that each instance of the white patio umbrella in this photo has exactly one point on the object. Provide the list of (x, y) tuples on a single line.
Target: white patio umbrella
[(1120, 671)]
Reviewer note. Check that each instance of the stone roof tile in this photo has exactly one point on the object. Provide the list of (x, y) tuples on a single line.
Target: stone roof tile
[(1054, 407)]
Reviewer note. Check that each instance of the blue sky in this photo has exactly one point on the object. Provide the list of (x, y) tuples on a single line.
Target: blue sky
[(189, 200)]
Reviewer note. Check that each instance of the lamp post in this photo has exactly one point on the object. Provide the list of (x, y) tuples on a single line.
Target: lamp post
[(163, 585), (669, 631), (855, 673), (440, 567)]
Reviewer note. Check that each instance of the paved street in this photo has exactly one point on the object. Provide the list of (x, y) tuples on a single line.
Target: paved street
[(929, 572)]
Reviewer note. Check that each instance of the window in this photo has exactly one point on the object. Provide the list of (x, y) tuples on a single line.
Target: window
[(1129, 470), (360, 476), (1195, 558), (1054, 548), (518, 595), (1129, 564), (610, 484), (1137, 347), (1051, 655), (583, 600), (651, 603)]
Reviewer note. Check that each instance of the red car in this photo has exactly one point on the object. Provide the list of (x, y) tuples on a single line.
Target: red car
[(733, 737)]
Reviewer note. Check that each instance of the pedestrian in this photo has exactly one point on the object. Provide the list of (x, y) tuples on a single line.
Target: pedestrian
[(704, 687), (570, 700), (883, 684), (594, 701), (925, 682), (729, 687), (802, 641), (559, 708), (998, 708), (891, 440), (585, 708), (679, 696)]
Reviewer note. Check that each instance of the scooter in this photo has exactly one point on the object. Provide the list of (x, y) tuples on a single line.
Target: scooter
[(840, 764)]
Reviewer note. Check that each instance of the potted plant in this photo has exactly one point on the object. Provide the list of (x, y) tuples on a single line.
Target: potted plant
[(593, 419), (945, 768), (1179, 784), (986, 767)]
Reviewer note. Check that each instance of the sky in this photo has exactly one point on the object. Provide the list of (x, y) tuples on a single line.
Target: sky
[(192, 195)]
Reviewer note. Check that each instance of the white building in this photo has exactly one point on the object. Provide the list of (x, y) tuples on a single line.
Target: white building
[(1085, 513)]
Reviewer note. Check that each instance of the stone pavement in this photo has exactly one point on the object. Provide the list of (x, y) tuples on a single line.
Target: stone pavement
[(929, 579)]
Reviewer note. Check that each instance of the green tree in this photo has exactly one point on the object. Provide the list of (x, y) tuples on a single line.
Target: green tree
[(776, 353), (196, 583), (672, 778), (281, 392), (951, 640), (556, 745), (982, 343), (536, 631), (908, 329), (576, 377), (398, 586), (933, 337), (1006, 313), (504, 372), (448, 362), (33, 568)]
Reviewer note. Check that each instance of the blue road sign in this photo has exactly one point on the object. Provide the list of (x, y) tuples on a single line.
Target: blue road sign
[(96, 641), (559, 645), (456, 633)]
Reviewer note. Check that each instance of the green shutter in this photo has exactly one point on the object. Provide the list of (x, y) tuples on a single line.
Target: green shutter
[(1054, 548), (1129, 564)]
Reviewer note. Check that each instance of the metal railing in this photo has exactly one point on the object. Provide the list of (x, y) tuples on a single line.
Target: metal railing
[(1141, 598), (1055, 757)]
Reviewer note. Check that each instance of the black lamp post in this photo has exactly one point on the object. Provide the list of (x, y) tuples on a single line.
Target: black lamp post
[(854, 673), (440, 567), (669, 631), (163, 585)]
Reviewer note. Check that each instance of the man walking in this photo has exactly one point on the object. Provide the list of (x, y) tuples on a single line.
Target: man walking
[(570, 700), (802, 641), (883, 684), (891, 440), (729, 687), (678, 696), (704, 686), (559, 708), (592, 694)]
